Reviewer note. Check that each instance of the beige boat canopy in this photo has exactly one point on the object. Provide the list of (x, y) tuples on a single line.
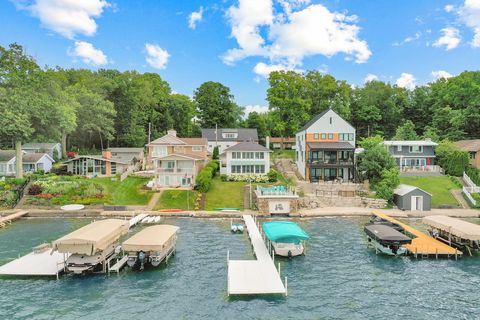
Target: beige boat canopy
[(153, 238), (94, 237), (457, 227)]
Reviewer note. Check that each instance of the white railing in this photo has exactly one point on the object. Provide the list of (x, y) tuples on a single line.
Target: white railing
[(471, 186), (127, 172), (469, 196), (175, 170), (426, 168)]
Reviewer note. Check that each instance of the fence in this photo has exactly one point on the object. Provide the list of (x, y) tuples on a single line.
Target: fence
[(469, 196), (471, 186), (129, 170)]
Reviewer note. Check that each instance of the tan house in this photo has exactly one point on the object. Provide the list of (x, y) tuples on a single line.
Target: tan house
[(176, 161), (112, 161), (473, 149)]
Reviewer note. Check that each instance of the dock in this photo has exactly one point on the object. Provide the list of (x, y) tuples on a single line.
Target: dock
[(4, 221), (422, 245), (258, 276), (40, 262)]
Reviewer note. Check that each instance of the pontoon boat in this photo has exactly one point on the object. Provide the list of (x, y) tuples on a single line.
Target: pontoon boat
[(386, 239), (286, 237)]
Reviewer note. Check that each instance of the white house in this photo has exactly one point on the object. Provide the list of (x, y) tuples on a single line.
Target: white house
[(227, 137), (245, 158), (52, 149), (31, 162)]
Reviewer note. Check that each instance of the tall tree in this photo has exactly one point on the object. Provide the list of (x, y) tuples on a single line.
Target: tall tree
[(258, 121), (406, 131), (216, 106)]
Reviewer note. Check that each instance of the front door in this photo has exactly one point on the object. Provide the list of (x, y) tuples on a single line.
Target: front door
[(417, 203)]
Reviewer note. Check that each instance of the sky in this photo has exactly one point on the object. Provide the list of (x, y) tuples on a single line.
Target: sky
[(238, 43)]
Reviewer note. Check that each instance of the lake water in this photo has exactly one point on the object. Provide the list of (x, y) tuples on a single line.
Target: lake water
[(338, 278)]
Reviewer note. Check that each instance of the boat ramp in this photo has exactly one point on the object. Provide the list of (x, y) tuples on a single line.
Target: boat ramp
[(258, 276), (422, 245)]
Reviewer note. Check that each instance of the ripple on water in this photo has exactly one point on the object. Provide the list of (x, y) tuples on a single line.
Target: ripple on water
[(338, 278)]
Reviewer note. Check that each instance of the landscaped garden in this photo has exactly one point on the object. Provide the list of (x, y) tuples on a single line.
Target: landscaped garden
[(9, 191), (54, 190), (439, 187)]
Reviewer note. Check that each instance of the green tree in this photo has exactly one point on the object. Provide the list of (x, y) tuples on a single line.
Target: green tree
[(216, 153), (406, 131), (389, 181), (216, 106), (258, 121), (374, 160), (182, 111)]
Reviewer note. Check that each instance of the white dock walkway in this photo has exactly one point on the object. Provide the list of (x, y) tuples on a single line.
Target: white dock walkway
[(35, 264), (119, 265), (254, 276)]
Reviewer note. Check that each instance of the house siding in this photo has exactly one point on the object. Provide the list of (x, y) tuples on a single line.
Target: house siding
[(404, 202)]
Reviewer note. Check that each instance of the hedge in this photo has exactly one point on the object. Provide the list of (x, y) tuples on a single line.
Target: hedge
[(205, 176)]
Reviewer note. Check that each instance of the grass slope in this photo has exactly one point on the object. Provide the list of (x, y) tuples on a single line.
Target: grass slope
[(283, 154), (127, 192), (224, 194), (176, 199), (439, 187)]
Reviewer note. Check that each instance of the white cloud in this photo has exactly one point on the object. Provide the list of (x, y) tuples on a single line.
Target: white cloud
[(156, 56), (289, 36), (449, 8), (88, 53), (470, 15), (439, 74), (255, 108), (370, 77), (406, 81), (450, 39), (264, 70), (417, 36), (194, 18), (66, 17)]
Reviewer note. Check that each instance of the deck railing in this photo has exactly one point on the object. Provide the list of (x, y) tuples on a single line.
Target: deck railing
[(426, 168), (175, 170)]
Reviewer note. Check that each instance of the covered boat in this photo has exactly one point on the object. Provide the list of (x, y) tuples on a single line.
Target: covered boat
[(286, 237), (386, 239), (151, 245), (462, 234), (91, 245)]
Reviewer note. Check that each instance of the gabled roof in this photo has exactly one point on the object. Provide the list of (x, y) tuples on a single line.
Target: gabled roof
[(168, 139), (410, 143), (7, 155), (403, 189), (35, 157), (313, 120), (126, 150), (247, 146), (195, 141), (469, 145), (39, 145), (243, 134), (99, 157)]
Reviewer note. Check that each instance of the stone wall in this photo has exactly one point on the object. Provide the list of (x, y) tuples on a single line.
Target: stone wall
[(321, 202), (263, 207)]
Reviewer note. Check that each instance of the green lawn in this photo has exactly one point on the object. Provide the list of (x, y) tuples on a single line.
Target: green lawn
[(223, 194), (283, 154), (176, 199), (128, 192), (439, 187)]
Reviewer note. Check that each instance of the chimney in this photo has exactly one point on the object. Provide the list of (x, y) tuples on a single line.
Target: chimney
[(106, 154), (428, 139), (172, 132), (267, 142)]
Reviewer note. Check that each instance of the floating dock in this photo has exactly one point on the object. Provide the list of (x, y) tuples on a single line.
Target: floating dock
[(422, 245), (4, 221), (40, 262), (254, 276)]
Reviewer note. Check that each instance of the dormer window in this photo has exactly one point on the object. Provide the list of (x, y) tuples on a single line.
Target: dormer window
[(229, 135)]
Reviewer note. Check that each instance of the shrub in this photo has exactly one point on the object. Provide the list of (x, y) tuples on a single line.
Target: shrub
[(223, 177), (216, 153), (35, 189), (259, 178), (389, 180), (474, 174), (273, 175)]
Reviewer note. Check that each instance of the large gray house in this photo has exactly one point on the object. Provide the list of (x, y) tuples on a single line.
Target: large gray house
[(227, 137), (415, 155)]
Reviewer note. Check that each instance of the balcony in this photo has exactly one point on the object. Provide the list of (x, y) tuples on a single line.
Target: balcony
[(180, 171), (331, 162)]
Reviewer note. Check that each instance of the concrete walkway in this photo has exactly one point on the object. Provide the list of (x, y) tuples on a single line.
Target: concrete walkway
[(457, 194), (153, 201)]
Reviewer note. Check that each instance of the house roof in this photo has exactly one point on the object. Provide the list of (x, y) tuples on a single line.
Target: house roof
[(330, 145), (247, 146), (195, 141), (469, 145), (172, 140), (279, 139), (313, 120), (403, 189), (35, 145), (243, 134), (35, 157), (126, 150), (99, 157), (7, 155), (410, 143)]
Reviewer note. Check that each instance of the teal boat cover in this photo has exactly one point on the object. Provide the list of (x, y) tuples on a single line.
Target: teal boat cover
[(284, 232)]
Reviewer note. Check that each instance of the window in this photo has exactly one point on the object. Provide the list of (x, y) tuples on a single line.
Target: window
[(324, 136), (315, 136), (3, 168), (260, 168), (236, 169), (399, 148), (330, 136), (259, 155), (159, 151), (114, 168), (342, 136), (236, 155), (471, 155), (229, 135), (330, 120), (210, 146), (416, 149), (248, 155), (197, 148)]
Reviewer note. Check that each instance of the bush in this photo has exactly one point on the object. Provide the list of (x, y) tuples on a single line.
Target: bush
[(35, 189), (216, 153), (259, 178), (389, 180), (273, 175), (214, 166), (205, 176), (474, 174), (223, 177)]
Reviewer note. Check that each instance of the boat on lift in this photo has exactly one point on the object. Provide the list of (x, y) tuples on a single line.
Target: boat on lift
[(286, 237), (386, 238)]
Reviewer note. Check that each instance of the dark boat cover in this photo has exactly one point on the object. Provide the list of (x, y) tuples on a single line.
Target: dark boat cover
[(386, 234)]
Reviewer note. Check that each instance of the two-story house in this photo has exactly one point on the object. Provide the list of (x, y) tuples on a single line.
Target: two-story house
[(414, 155), (245, 158), (176, 161), (325, 148), (473, 149), (227, 137)]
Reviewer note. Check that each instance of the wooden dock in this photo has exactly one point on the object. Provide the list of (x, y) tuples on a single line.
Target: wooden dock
[(254, 276), (422, 245), (4, 221)]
